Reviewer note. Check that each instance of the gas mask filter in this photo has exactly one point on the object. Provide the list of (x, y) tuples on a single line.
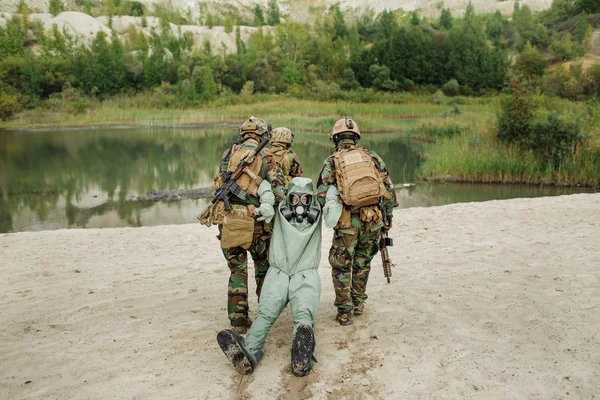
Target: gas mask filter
[(299, 207)]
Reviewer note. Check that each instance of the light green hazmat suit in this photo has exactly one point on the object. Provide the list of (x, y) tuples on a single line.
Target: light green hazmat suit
[(293, 275)]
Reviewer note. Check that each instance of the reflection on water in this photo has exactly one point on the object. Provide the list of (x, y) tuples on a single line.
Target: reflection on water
[(91, 178)]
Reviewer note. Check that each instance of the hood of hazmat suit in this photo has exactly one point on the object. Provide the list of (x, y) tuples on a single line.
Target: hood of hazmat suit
[(296, 238)]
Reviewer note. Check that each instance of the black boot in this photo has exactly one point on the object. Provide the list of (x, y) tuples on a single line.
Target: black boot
[(232, 345), (303, 347)]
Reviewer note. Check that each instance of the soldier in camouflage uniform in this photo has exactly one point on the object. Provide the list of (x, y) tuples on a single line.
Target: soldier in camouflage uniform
[(281, 150), (357, 232), (258, 199)]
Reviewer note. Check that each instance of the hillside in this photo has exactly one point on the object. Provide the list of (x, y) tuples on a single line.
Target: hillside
[(299, 10)]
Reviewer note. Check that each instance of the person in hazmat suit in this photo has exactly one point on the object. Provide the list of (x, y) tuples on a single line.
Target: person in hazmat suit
[(292, 278), (281, 151)]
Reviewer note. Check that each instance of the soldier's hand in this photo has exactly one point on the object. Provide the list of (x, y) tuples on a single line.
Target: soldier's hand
[(266, 212)]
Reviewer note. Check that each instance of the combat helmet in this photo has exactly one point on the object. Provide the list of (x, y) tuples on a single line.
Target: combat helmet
[(282, 135), (255, 125), (344, 125)]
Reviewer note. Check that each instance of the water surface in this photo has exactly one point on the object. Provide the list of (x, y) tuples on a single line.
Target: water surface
[(92, 178)]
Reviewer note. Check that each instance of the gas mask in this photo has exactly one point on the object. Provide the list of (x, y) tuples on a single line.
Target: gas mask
[(299, 206)]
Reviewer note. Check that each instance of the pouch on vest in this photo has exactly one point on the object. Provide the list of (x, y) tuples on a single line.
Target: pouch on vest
[(246, 181), (238, 227), (358, 179)]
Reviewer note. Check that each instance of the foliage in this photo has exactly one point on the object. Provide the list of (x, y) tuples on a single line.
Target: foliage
[(451, 87), (530, 62), (588, 6), (9, 105), (553, 140), (55, 7), (562, 49), (259, 18), (516, 118), (273, 13), (446, 19), (556, 139)]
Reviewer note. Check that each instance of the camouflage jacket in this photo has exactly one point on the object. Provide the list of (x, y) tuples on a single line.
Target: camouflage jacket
[(269, 169), (289, 164), (327, 178)]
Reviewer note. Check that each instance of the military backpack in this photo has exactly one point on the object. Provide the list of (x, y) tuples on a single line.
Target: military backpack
[(358, 180)]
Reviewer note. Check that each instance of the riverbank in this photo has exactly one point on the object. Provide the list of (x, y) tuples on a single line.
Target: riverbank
[(487, 300)]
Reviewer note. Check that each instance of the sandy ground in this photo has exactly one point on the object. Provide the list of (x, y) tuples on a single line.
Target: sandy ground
[(495, 300)]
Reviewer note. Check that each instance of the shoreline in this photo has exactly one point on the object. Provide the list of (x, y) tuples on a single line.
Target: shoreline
[(488, 300)]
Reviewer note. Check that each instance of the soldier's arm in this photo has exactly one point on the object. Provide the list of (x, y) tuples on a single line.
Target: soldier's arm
[(275, 176), (387, 181), (326, 179), (295, 168)]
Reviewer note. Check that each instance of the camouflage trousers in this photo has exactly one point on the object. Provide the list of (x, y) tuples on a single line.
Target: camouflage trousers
[(237, 260), (350, 257)]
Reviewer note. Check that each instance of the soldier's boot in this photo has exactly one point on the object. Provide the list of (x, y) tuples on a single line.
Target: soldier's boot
[(242, 329), (232, 345), (343, 317), (359, 308), (303, 347)]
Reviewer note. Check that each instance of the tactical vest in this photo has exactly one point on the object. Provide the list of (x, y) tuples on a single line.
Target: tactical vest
[(245, 182), (358, 180), (281, 155)]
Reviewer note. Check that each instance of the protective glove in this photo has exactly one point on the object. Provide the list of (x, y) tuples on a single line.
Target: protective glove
[(332, 210), (267, 200)]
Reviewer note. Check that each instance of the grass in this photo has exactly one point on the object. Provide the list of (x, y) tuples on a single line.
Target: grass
[(401, 114)]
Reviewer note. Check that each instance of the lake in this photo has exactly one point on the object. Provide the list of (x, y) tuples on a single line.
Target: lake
[(92, 178)]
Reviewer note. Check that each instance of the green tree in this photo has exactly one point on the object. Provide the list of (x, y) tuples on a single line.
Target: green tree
[(472, 61), (580, 28), (381, 78), (588, 6), (525, 24), (530, 62), (414, 18), (273, 16), (446, 19), (12, 38), (493, 28), (516, 118), (204, 83), (339, 24), (55, 7), (349, 81), (259, 19), (562, 49), (9, 106)]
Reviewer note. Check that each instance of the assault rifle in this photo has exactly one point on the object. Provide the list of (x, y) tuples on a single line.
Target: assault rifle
[(384, 242), (230, 188)]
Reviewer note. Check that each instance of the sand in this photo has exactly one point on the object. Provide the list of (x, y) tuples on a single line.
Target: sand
[(494, 300)]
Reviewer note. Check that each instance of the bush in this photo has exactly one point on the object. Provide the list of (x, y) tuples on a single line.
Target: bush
[(516, 117), (451, 88), (438, 98), (556, 139), (9, 106), (553, 140)]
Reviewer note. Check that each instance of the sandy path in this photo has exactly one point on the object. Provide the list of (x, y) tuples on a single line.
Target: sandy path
[(490, 300)]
